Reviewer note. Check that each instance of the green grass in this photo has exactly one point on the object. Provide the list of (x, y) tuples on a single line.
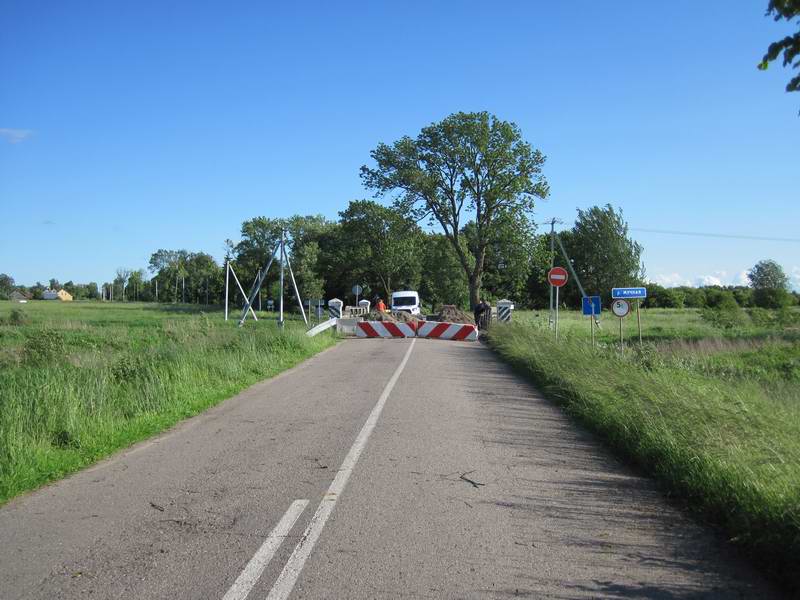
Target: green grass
[(79, 381), (658, 324), (715, 420)]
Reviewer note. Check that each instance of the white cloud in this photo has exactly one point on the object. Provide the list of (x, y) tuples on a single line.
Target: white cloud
[(741, 279), (715, 278), (14, 136), (794, 278), (671, 280)]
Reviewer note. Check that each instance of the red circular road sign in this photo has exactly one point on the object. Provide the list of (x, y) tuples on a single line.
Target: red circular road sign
[(557, 276)]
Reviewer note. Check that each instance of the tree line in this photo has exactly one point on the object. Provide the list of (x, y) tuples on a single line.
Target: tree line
[(456, 225)]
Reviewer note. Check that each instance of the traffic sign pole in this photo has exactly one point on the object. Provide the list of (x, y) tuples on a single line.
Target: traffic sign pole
[(639, 320), (621, 347), (556, 312), (591, 324)]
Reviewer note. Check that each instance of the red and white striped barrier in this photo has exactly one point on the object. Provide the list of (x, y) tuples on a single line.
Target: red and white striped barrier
[(384, 329), (447, 331)]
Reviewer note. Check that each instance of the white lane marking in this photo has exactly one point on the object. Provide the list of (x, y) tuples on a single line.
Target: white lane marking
[(245, 582), (288, 577)]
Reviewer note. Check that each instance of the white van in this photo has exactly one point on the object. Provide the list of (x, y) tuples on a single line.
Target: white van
[(407, 301)]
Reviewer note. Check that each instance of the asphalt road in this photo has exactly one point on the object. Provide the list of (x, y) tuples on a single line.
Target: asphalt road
[(377, 469)]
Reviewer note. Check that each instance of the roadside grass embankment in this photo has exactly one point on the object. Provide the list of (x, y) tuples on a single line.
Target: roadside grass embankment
[(80, 381), (719, 428)]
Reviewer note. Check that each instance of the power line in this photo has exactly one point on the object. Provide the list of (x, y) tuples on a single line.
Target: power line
[(718, 235)]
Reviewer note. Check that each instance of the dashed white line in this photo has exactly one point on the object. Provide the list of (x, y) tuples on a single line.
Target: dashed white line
[(288, 577), (245, 582)]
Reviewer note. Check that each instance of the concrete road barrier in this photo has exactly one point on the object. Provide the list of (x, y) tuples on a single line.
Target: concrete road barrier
[(448, 331)]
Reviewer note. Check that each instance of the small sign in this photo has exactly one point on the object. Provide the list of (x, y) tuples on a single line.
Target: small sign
[(315, 302), (270, 303), (620, 308), (357, 289), (629, 293), (557, 276), (591, 305)]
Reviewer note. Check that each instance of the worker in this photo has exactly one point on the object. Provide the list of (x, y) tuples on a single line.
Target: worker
[(380, 306), (483, 312)]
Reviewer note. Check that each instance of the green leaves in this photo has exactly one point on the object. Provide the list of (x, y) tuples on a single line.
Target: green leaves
[(467, 166)]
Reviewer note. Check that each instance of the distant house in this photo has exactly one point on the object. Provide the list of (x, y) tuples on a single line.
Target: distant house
[(17, 296), (62, 295)]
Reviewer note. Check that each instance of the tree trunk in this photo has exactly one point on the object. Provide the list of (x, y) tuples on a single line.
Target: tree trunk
[(475, 290)]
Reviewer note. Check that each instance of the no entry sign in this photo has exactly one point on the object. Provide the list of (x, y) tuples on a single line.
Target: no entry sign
[(557, 276)]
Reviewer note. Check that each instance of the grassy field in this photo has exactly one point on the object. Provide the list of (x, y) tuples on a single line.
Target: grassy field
[(81, 380), (714, 414)]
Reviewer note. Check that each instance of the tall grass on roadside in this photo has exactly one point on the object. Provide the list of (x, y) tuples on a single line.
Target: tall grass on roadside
[(72, 391), (729, 447)]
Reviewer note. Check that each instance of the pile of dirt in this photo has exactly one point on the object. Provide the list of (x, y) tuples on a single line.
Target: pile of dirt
[(404, 317), (395, 317), (449, 313), (376, 315)]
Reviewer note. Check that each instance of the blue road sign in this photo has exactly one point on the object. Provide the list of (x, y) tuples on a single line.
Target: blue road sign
[(628, 293), (588, 301)]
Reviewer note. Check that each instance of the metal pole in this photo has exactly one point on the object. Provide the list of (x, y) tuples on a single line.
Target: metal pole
[(241, 289), (552, 263), (639, 320), (621, 347), (296, 291), (591, 324), (227, 279), (256, 287), (280, 318), (556, 311), (156, 290)]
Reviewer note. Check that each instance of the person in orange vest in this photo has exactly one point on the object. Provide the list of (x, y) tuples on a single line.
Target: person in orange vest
[(380, 306)]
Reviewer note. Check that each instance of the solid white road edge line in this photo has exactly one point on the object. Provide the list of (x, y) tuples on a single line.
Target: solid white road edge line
[(249, 576), (288, 577)]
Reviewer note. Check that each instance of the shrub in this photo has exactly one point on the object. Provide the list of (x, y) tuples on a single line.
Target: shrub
[(17, 317), (761, 317), (772, 298), (43, 347), (726, 314)]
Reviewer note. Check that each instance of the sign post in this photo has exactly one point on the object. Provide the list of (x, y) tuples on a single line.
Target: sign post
[(357, 289), (632, 293), (557, 276), (592, 308), (620, 308)]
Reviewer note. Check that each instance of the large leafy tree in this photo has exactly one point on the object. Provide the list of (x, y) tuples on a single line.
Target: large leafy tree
[(510, 255), (602, 253), (380, 246), (442, 281), (770, 285), (789, 46), (6, 285), (469, 166)]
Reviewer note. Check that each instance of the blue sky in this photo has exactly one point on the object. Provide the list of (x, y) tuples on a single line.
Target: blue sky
[(128, 127)]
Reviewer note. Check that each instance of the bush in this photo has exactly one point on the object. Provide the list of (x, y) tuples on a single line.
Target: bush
[(694, 297), (726, 314), (772, 298), (44, 347), (17, 317), (761, 317), (661, 297)]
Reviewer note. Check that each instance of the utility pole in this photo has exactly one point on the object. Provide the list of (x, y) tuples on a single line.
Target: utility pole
[(227, 277), (183, 289), (156, 280), (283, 253)]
